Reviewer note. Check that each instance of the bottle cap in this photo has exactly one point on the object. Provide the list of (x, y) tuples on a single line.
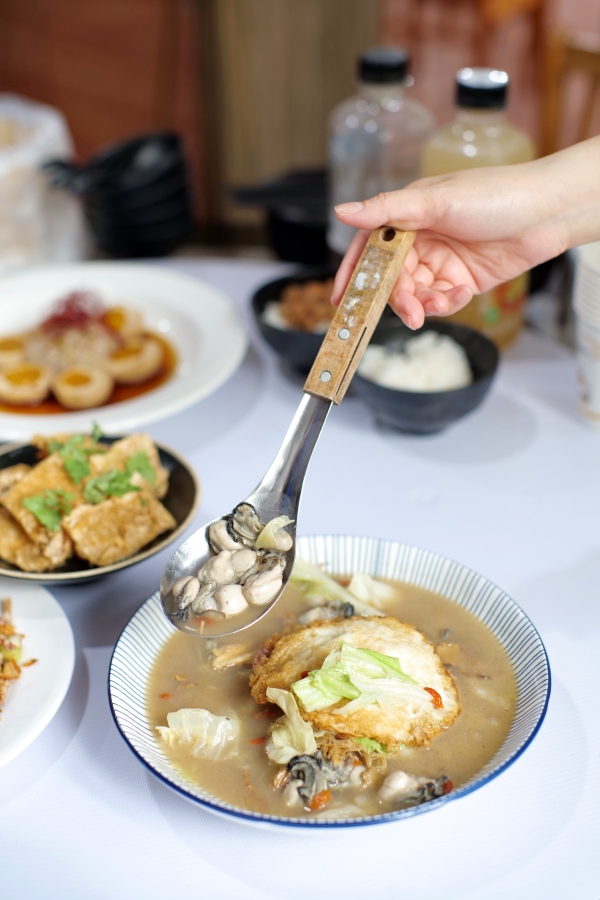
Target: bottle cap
[(481, 88), (383, 65)]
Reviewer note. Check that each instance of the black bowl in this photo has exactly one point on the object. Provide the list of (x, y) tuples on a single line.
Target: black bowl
[(182, 500), (297, 349), (427, 413)]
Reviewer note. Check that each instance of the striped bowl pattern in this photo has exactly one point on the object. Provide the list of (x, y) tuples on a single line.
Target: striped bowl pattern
[(146, 632)]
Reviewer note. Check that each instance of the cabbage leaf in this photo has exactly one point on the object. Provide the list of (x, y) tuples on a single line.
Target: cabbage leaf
[(266, 538), (208, 736), (370, 590), (290, 735), (317, 587), (363, 677)]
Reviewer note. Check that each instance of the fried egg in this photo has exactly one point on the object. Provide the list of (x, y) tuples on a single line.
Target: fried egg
[(286, 659)]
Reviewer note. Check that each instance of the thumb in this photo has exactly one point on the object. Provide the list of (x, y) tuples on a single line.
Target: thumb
[(409, 209)]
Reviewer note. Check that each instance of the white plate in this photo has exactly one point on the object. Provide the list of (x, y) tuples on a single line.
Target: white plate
[(197, 319), (33, 700)]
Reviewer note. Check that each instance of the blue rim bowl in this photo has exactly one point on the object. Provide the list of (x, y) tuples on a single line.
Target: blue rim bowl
[(147, 631)]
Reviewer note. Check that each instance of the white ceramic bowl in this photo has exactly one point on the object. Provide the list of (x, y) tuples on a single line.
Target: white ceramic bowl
[(146, 632)]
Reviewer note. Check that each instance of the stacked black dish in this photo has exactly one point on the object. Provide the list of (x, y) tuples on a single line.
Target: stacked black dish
[(136, 195)]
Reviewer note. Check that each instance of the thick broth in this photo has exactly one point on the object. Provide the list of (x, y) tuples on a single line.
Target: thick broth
[(183, 677)]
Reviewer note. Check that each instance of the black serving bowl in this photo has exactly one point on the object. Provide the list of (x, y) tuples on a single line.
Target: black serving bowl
[(427, 413), (297, 349), (182, 500)]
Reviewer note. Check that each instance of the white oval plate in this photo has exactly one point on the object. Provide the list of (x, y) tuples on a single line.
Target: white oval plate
[(147, 631), (33, 700), (200, 322)]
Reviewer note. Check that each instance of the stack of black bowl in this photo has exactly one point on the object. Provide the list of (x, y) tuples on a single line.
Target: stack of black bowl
[(136, 195)]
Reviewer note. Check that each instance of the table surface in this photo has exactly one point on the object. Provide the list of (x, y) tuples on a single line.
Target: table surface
[(512, 491)]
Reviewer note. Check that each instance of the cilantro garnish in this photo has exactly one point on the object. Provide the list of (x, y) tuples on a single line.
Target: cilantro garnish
[(139, 462), (75, 456), (49, 507), (109, 484)]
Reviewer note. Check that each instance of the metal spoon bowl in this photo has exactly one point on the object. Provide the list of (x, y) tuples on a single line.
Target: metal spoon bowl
[(279, 492)]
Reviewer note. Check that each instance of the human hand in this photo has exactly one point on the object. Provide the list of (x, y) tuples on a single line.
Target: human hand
[(475, 229)]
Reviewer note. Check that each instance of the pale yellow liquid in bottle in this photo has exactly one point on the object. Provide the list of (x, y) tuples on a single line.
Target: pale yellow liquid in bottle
[(483, 138)]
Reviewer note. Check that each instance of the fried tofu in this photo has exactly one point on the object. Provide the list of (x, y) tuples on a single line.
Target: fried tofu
[(17, 549), (116, 458), (11, 475), (49, 474), (284, 659), (118, 527)]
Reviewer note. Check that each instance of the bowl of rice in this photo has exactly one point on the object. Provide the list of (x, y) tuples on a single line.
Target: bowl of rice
[(420, 382)]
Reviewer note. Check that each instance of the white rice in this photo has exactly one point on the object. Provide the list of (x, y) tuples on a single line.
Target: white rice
[(429, 362)]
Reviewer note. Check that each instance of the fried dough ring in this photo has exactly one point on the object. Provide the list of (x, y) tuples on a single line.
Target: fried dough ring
[(12, 350), (82, 387), (137, 361), (125, 321), (25, 384)]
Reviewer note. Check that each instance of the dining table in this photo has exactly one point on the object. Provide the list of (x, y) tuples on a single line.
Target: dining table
[(512, 491)]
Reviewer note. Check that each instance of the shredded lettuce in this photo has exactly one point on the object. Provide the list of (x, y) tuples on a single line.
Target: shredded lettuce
[(266, 538), (209, 736), (371, 745), (363, 677), (290, 735)]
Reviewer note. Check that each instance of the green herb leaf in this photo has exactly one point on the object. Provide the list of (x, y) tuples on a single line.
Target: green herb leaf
[(75, 456), (139, 462), (49, 507), (109, 484), (371, 745), (96, 432)]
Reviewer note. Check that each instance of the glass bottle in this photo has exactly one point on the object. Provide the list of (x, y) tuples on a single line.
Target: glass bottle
[(376, 137), (481, 136)]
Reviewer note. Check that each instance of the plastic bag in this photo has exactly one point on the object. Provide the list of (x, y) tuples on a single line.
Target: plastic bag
[(38, 222)]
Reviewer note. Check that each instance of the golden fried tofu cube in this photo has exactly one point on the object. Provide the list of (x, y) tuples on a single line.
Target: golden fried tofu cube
[(50, 474), (119, 453), (11, 475), (118, 527), (17, 549)]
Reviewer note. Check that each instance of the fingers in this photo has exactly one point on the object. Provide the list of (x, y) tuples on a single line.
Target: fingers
[(344, 273), (412, 301), (410, 209)]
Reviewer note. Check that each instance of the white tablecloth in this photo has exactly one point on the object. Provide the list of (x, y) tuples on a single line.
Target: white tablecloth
[(514, 492)]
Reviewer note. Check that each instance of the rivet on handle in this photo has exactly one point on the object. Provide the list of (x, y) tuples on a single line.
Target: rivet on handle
[(343, 334), (325, 376)]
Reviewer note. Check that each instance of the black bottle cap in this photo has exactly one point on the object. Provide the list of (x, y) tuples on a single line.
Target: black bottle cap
[(383, 65), (481, 88)]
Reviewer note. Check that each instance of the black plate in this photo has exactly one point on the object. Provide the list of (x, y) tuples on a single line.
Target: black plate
[(182, 500)]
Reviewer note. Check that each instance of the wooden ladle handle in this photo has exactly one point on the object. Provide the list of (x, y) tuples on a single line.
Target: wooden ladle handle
[(359, 311)]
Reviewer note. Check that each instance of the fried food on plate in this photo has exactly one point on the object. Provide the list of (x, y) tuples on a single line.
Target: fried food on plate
[(104, 499), (120, 452), (17, 549), (117, 527), (412, 712), (51, 476), (11, 475)]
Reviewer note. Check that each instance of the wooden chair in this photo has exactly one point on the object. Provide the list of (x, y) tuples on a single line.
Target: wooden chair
[(565, 54)]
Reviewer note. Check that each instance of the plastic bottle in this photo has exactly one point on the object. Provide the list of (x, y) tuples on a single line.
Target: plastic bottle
[(481, 136), (376, 137)]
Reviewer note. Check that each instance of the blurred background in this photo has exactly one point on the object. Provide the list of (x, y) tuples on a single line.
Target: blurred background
[(248, 85)]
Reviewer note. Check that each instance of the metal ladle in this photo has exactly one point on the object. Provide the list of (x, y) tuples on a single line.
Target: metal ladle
[(279, 492)]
